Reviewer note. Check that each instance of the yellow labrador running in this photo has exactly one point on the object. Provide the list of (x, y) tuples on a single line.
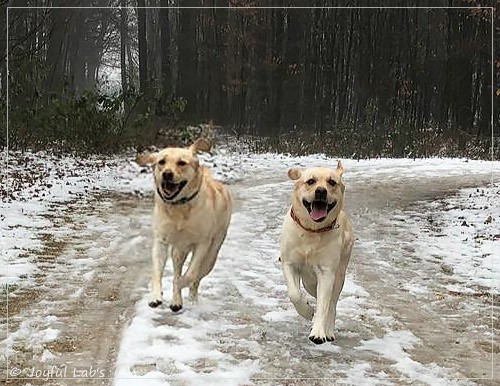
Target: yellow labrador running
[(316, 244), (191, 215)]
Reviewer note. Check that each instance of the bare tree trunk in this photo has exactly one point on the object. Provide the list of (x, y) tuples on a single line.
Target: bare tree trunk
[(56, 52), (188, 56), (258, 101), (76, 54), (132, 73), (3, 50), (123, 56), (153, 48), (166, 75), (221, 65), (293, 65), (279, 67), (123, 48), (143, 47), (3, 74)]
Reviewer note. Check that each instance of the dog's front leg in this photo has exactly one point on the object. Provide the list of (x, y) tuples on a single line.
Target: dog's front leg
[(178, 259), (292, 278), (322, 329), (159, 257)]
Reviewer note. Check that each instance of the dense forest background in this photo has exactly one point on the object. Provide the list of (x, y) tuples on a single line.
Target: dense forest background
[(354, 82)]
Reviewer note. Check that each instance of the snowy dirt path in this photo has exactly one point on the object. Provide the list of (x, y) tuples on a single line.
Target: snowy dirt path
[(413, 310), (397, 323)]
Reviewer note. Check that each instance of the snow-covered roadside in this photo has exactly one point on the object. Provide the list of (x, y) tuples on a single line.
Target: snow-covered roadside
[(34, 185), (462, 233)]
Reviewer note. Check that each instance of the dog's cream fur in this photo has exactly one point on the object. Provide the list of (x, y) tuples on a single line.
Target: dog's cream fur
[(194, 221), (316, 253)]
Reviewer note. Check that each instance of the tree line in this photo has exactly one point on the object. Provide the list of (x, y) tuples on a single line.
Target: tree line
[(387, 78)]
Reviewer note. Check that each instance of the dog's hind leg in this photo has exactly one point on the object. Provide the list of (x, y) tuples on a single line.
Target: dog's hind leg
[(200, 266), (193, 291), (211, 257), (178, 259), (193, 272), (310, 281), (159, 257)]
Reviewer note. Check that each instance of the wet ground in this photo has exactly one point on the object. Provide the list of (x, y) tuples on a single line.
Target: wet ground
[(94, 271)]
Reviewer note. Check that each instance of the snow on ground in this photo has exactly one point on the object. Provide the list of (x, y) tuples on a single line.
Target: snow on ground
[(471, 220), (427, 243), (246, 318)]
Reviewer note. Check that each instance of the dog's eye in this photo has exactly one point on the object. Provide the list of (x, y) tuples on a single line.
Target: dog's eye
[(181, 163), (161, 162), (310, 181), (332, 182)]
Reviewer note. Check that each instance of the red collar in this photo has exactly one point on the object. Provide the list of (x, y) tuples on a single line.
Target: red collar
[(320, 230)]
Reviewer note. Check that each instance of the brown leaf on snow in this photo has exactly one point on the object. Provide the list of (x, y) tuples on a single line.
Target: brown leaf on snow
[(488, 220)]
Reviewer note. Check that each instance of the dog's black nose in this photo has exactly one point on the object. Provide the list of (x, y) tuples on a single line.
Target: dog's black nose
[(168, 175), (320, 194)]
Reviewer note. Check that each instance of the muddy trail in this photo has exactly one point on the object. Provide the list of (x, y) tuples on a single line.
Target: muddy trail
[(94, 270)]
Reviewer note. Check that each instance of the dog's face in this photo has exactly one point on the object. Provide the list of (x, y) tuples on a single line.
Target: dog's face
[(175, 170), (318, 192)]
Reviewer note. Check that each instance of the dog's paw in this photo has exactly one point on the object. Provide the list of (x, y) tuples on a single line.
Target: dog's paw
[(320, 340), (321, 335), (176, 307), (316, 339), (155, 303)]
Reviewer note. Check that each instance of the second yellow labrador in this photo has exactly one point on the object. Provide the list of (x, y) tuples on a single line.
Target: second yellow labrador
[(316, 244), (191, 214)]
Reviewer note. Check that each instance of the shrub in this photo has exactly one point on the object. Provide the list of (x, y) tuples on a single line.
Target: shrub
[(92, 122)]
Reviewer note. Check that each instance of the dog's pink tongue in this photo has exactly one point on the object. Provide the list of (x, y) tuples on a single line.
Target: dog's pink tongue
[(318, 213)]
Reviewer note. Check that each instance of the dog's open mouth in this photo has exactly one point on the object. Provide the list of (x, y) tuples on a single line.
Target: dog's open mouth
[(169, 190), (318, 210)]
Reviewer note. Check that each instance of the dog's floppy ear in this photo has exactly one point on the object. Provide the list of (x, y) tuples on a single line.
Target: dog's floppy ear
[(146, 159), (340, 168), (294, 173), (201, 144)]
